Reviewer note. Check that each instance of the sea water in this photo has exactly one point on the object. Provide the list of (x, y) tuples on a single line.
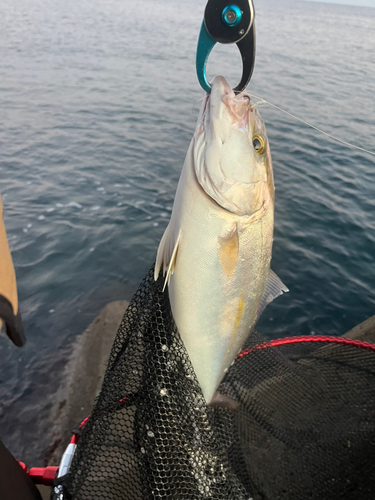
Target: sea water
[(98, 102)]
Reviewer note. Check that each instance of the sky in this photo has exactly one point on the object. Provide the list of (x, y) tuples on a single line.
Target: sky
[(365, 3)]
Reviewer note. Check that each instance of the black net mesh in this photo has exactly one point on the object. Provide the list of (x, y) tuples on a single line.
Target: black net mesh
[(304, 427)]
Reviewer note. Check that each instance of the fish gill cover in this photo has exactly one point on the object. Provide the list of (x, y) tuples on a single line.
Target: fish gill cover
[(304, 427)]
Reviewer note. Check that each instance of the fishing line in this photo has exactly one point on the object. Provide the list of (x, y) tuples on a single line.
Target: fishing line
[(263, 101), (193, 107)]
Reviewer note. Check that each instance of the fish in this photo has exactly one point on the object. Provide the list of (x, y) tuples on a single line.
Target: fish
[(216, 250)]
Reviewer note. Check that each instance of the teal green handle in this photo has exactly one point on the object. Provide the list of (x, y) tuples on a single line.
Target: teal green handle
[(205, 45)]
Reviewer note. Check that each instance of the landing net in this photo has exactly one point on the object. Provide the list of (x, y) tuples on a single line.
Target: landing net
[(304, 427)]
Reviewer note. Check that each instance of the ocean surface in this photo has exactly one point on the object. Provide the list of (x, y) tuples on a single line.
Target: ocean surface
[(98, 102)]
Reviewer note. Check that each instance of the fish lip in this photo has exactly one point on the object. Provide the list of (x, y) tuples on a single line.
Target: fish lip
[(221, 80), (222, 98), (223, 95)]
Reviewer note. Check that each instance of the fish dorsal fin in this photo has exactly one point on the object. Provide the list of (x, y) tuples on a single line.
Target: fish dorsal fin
[(274, 288), (167, 253)]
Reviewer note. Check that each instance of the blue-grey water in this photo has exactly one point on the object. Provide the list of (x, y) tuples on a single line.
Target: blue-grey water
[(98, 101)]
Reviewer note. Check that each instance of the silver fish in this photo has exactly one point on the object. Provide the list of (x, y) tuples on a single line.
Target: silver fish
[(216, 250)]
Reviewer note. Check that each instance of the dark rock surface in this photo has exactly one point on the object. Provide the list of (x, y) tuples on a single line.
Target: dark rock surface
[(365, 331), (82, 380)]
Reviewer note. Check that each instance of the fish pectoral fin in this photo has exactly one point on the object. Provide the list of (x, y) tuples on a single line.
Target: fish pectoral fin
[(167, 253), (172, 262), (274, 288)]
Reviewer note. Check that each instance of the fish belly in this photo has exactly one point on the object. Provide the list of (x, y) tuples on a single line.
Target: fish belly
[(220, 273)]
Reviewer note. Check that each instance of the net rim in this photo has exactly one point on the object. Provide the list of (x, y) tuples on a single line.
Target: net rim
[(306, 339)]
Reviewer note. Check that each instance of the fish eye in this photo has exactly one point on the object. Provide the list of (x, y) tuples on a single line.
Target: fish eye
[(259, 144)]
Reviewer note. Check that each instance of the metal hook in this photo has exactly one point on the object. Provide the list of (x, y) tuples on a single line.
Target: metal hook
[(227, 23)]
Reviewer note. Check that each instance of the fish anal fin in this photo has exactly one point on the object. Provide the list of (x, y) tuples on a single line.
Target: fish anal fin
[(274, 288)]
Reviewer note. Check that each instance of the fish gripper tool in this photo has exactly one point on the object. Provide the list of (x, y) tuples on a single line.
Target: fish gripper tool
[(227, 23)]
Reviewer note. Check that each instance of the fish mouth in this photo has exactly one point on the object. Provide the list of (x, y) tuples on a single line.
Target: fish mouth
[(219, 82), (240, 107), (224, 102)]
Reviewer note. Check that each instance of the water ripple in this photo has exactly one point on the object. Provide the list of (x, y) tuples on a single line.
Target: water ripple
[(98, 105)]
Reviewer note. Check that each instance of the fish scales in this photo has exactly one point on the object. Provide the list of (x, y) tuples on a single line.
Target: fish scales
[(216, 250)]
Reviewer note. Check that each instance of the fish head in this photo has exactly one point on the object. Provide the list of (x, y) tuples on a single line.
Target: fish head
[(232, 157)]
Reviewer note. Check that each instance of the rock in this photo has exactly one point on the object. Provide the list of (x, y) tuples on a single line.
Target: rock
[(83, 377), (364, 331), (82, 380)]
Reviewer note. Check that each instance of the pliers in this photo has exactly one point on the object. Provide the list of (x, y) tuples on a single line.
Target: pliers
[(226, 22)]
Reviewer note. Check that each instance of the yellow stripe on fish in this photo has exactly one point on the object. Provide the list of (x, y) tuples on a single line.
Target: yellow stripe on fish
[(228, 252)]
